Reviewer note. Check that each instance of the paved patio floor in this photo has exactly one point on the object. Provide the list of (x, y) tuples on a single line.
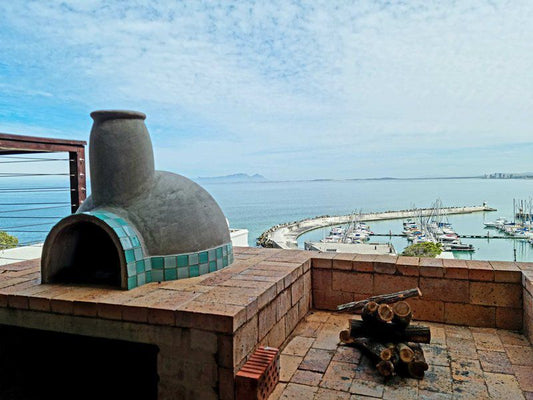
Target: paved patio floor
[(465, 363)]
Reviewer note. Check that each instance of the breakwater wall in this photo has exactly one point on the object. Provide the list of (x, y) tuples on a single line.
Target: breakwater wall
[(285, 235)]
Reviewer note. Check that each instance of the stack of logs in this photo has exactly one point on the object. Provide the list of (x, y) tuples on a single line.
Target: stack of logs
[(386, 336)]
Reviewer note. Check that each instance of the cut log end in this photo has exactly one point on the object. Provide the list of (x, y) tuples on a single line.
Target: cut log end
[(401, 309), (385, 313), (405, 352), (345, 337), (385, 368)]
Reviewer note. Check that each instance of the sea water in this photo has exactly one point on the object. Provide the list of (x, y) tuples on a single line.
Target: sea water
[(257, 206)]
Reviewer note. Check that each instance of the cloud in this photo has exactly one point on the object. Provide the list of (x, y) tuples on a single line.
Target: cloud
[(285, 88)]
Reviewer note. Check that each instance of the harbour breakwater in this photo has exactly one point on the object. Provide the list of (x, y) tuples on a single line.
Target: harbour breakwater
[(285, 235)]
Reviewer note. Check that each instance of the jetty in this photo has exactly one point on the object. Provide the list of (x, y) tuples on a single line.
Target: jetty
[(285, 236)]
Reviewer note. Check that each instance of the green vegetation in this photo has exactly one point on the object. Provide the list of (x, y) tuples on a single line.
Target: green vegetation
[(427, 249), (7, 241)]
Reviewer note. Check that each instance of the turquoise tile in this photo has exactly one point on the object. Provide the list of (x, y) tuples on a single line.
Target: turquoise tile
[(212, 266), (148, 275), (138, 253), (220, 264), (193, 259), (100, 215), (129, 230), (126, 243), (130, 256), (132, 282), (158, 262), (212, 255), (135, 242), (224, 251), (120, 232), (132, 269), (157, 275), (204, 269), (194, 271), (183, 273), (141, 279), (183, 260), (170, 262), (225, 260), (140, 266), (219, 252), (203, 257), (170, 274), (121, 221), (112, 223), (147, 264)]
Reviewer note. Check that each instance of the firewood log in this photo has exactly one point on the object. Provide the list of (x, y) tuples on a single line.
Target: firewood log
[(402, 313), (384, 313), (418, 365), (385, 368), (405, 353), (384, 298), (369, 311), (390, 332)]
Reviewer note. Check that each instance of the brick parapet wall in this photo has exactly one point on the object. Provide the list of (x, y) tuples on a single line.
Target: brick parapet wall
[(475, 293)]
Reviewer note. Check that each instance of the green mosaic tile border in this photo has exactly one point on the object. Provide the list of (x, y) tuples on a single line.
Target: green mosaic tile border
[(142, 269)]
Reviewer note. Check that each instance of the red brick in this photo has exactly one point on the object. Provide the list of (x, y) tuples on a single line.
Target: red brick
[(385, 264), (329, 300), (496, 294), (408, 266), (480, 271), (321, 279), (364, 263), (352, 282), (509, 318), (322, 260), (470, 315), (506, 271), (450, 290), (455, 269), (392, 283), (431, 267), (343, 261), (427, 310)]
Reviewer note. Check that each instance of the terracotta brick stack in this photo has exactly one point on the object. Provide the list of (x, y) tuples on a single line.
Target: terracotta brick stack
[(259, 375)]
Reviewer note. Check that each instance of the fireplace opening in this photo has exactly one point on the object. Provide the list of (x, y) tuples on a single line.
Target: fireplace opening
[(49, 365), (85, 253)]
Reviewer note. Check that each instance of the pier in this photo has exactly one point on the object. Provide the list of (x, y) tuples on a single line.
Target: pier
[(285, 236)]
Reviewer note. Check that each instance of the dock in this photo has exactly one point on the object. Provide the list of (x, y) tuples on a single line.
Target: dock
[(460, 236), (285, 236)]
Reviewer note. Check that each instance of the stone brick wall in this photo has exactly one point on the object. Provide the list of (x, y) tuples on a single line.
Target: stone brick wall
[(475, 293)]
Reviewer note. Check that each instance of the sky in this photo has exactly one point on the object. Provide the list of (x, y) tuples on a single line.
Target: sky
[(287, 89)]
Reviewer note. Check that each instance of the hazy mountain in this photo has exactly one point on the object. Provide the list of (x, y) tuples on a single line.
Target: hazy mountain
[(232, 178)]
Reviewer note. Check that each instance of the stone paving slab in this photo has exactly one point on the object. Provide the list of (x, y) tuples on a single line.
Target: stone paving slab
[(465, 363)]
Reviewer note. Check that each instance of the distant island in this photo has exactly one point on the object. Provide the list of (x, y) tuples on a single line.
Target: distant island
[(512, 175), (233, 178)]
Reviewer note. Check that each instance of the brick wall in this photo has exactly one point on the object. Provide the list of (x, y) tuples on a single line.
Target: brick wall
[(475, 293)]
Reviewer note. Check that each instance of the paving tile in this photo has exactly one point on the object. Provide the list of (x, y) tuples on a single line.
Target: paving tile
[(520, 355), (495, 361), (298, 346), (294, 391), (528, 395), (307, 329), (488, 341), (317, 360), (436, 355), (347, 354), (328, 394), (307, 377), (461, 348), (524, 375), (367, 388), (512, 338), (503, 386), (288, 365), (459, 332), (466, 370), (470, 390), (400, 393), (427, 395), (338, 376), (278, 390), (437, 379)]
